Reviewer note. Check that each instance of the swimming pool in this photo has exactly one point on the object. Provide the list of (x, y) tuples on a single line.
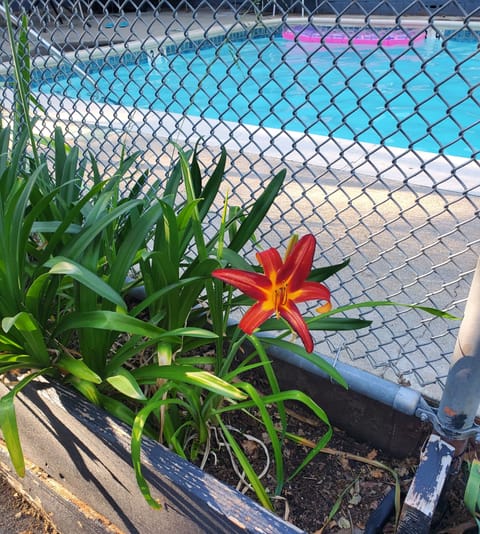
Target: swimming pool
[(425, 98)]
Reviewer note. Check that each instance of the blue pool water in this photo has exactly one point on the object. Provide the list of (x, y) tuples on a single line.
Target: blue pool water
[(426, 98)]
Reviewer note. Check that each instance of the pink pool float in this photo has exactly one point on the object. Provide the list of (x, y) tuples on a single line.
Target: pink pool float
[(380, 37)]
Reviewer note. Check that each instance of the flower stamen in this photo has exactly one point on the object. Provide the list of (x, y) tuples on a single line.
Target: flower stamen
[(280, 298)]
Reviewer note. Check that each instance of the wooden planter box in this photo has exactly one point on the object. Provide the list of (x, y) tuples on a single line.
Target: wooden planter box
[(80, 469)]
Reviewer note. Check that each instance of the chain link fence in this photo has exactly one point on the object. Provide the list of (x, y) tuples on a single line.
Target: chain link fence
[(372, 106)]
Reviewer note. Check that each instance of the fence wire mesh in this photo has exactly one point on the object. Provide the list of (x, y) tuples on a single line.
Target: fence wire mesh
[(372, 106)]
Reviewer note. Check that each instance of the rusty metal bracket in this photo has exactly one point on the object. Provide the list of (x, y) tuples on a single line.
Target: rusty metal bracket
[(428, 414)]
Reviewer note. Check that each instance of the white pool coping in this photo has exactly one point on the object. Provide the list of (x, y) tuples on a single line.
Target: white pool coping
[(426, 169)]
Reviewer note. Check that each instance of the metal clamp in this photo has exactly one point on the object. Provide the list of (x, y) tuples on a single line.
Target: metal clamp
[(428, 414)]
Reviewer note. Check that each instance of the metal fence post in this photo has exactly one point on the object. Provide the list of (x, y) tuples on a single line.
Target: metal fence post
[(454, 421), (461, 398)]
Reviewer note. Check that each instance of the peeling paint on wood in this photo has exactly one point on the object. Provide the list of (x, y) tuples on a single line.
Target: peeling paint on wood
[(426, 487), (88, 452), (431, 474)]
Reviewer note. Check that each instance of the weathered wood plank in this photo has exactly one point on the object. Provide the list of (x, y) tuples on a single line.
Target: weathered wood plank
[(425, 490), (88, 452)]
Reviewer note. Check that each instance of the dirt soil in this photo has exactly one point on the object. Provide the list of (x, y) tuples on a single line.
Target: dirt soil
[(338, 491), (346, 474), (19, 516)]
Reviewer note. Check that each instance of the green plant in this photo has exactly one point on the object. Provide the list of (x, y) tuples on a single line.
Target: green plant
[(67, 253), (73, 250), (472, 490)]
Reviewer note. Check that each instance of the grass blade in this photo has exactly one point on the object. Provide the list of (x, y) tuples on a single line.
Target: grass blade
[(247, 467)]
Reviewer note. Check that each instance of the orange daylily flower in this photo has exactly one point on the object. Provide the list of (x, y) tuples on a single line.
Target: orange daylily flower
[(283, 284)]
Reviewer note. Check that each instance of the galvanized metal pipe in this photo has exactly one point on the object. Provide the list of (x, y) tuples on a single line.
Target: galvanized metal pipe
[(401, 398), (461, 398)]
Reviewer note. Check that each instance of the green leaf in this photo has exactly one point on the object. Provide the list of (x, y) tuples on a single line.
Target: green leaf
[(175, 177), (322, 273), (72, 215), (118, 409), (78, 368), (274, 388), (129, 348), (136, 450), (21, 65), (196, 175), (247, 467), (320, 323), (35, 297), (14, 240), (131, 243), (236, 260), (379, 303), (196, 360), (31, 334), (8, 343), (188, 180), (60, 154), (88, 389), (189, 295), (316, 359), (50, 227), (125, 383), (8, 424), (76, 248), (65, 266), (189, 375), (186, 214), (138, 427), (210, 191), (119, 322), (336, 323), (272, 433), (171, 288), (258, 212), (298, 397), (109, 320), (472, 491)]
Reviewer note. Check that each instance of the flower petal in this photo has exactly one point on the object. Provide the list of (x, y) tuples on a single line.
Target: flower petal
[(294, 318), (310, 291), (298, 264), (255, 316), (325, 308), (255, 285), (271, 262)]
